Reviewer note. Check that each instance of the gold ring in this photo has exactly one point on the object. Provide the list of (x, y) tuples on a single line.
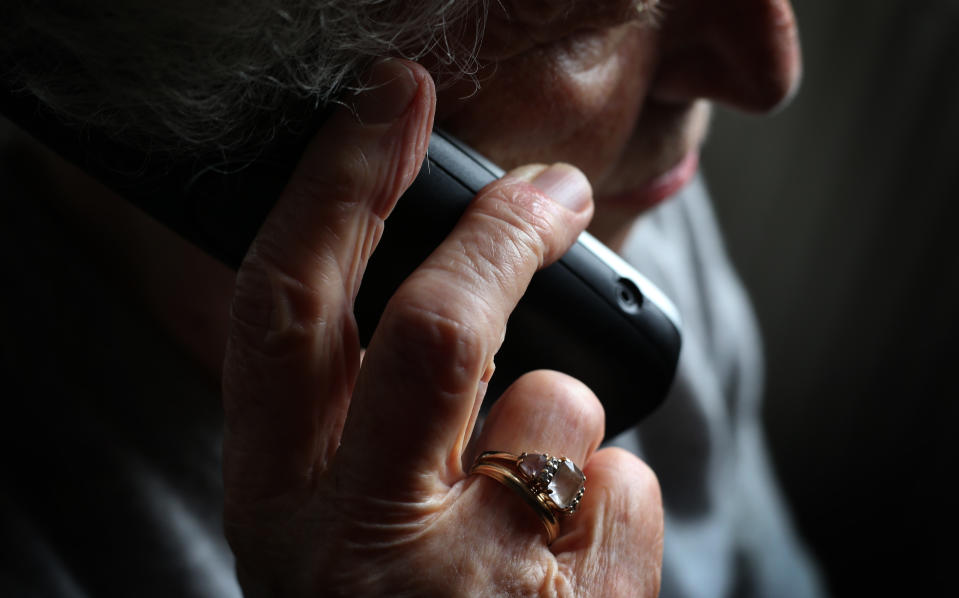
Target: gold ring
[(552, 486)]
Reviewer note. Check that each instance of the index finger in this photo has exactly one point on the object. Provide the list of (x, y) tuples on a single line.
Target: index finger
[(417, 393)]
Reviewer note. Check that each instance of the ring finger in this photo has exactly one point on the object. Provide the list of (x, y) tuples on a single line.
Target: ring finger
[(541, 413)]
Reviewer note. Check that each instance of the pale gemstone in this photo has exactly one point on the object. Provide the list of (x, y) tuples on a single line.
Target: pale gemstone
[(531, 464), (566, 484)]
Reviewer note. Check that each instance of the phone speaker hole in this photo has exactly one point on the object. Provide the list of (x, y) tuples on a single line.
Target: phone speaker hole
[(628, 296)]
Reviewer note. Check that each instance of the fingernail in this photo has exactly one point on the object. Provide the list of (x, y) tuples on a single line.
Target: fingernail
[(566, 185), (391, 87), (490, 370)]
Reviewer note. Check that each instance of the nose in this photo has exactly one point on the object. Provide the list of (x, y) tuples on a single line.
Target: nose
[(742, 53)]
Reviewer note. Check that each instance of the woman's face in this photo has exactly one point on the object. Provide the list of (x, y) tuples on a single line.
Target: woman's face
[(620, 92)]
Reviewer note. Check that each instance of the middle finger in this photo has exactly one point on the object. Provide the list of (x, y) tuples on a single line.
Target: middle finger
[(417, 390)]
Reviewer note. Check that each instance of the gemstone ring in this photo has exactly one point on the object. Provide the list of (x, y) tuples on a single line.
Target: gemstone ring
[(552, 486)]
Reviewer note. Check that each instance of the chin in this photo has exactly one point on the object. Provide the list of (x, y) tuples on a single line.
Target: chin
[(666, 137), (660, 159)]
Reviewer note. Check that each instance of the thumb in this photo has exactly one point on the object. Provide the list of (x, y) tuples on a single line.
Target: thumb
[(293, 350)]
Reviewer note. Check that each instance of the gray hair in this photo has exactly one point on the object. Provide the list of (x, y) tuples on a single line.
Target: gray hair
[(199, 77)]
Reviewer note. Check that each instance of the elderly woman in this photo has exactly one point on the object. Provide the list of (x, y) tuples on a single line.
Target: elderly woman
[(346, 473)]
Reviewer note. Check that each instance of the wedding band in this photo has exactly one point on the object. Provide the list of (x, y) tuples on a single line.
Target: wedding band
[(552, 486)]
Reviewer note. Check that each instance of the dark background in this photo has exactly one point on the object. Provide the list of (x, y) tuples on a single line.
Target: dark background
[(840, 213)]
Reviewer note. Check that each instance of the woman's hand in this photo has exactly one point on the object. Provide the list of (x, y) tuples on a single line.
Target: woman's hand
[(346, 476)]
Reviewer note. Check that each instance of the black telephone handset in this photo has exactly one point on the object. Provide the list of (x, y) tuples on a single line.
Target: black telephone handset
[(589, 315)]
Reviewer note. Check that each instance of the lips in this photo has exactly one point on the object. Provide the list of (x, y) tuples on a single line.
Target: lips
[(659, 188)]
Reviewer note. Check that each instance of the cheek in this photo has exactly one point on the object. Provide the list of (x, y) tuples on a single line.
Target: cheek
[(575, 102)]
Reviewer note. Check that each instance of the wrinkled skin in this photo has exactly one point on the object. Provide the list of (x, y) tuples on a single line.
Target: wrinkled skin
[(619, 97), (348, 479), (345, 475)]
